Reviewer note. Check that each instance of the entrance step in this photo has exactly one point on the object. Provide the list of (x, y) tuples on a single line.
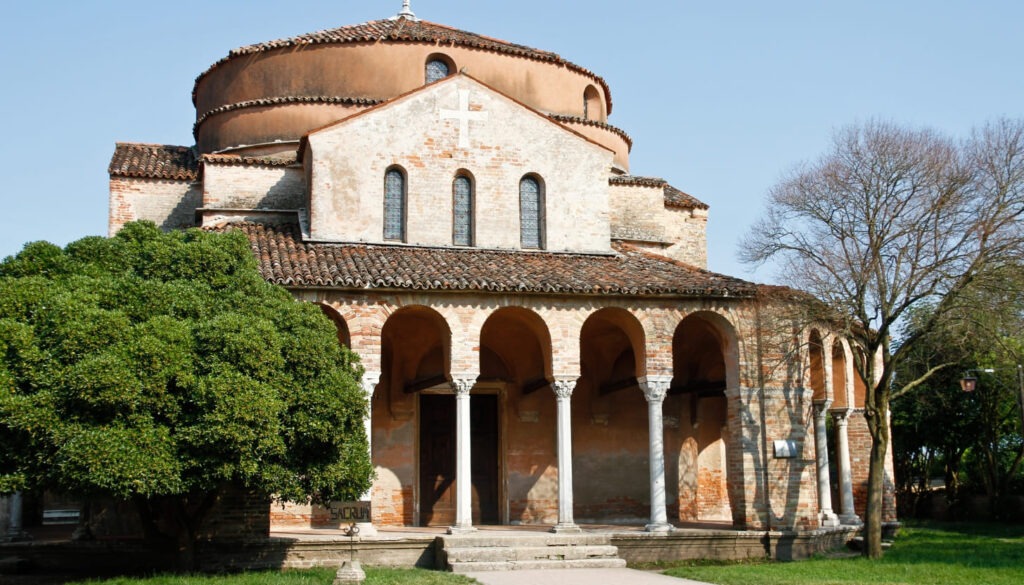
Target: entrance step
[(482, 552)]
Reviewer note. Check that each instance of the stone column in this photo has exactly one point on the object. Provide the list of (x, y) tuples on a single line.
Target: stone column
[(655, 388), (463, 467), (827, 518), (15, 532), (563, 388), (370, 381), (847, 515)]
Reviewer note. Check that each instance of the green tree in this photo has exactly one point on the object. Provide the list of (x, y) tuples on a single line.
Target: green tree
[(886, 220), (162, 369), (978, 436)]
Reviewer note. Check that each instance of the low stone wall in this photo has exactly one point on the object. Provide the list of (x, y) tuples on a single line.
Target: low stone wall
[(726, 545), (98, 558)]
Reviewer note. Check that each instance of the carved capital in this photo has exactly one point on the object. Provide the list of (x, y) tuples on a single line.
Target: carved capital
[(822, 406), (462, 386), (841, 417), (655, 387), (369, 382), (563, 387)]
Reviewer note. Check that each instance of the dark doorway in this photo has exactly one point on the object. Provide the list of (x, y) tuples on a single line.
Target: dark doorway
[(437, 459)]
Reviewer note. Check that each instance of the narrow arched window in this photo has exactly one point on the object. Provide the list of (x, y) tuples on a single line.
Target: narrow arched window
[(437, 70), (462, 211), (531, 213), (592, 104), (394, 205)]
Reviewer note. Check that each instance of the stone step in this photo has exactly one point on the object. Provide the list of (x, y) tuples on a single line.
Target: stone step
[(613, 563), (529, 553), (486, 540)]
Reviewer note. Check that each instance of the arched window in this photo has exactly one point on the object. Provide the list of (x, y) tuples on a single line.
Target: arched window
[(462, 211), (592, 104), (437, 70), (531, 213), (394, 205)]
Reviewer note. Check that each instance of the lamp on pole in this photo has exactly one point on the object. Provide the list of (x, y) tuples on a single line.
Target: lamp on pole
[(969, 383)]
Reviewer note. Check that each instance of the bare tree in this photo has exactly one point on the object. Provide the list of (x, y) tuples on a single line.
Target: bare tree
[(890, 217)]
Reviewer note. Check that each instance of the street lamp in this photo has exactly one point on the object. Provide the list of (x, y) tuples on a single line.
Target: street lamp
[(969, 383)]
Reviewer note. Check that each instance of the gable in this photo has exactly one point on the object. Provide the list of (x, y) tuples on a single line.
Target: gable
[(455, 126)]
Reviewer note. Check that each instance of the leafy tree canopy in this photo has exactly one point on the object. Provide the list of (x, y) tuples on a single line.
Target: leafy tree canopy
[(153, 365)]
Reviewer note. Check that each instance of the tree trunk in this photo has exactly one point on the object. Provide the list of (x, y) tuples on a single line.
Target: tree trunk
[(879, 427)]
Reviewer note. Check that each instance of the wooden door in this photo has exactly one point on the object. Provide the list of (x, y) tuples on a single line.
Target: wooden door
[(437, 459)]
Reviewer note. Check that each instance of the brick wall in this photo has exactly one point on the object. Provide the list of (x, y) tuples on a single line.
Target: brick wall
[(349, 162), (229, 186), (169, 204), (860, 455), (639, 215)]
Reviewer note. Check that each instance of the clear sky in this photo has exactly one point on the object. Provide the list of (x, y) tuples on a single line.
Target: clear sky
[(720, 98)]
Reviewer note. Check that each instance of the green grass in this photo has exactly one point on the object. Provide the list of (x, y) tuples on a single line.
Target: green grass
[(927, 554), (305, 577)]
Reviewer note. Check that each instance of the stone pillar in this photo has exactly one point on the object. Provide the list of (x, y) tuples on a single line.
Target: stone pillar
[(655, 388), (463, 467), (563, 388), (15, 532), (370, 381), (847, 514), (827, 517)]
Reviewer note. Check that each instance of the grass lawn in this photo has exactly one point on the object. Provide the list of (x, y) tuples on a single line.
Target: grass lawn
[(308, 577), (946, 554)]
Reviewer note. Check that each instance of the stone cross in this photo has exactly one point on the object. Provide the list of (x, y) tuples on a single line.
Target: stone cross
[(464, 116)]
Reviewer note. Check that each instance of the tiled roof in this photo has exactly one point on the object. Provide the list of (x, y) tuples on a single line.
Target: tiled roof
[(287, 260), (154, 161), (595, 123), (408, 30), (673, 197), (282, 160), (285, 100)]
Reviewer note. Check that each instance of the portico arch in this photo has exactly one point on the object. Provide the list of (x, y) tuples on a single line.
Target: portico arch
[(516, 368), (609, 420), (344, 337), (415, 356), (704, 366)]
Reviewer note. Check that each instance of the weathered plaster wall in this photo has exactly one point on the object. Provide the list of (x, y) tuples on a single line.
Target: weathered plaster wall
[(639, 215), (169, 204), (229, 186), (371, 71), (349, 161)]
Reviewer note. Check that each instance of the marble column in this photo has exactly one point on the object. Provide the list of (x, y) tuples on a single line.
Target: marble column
[(463, 451), (369, 382), (563, 388), (655, 388), (827, 517), (15, 531), (847, 514)]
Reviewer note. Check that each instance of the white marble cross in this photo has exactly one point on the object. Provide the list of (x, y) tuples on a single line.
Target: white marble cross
[(464, 116)]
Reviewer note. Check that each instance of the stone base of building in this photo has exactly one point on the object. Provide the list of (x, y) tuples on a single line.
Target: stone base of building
[(406, 549)]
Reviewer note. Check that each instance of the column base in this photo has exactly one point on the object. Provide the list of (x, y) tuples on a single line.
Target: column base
[(566, 528), (349, 572), (366, 529), (19, 536), (666, 527), (850, 520), (461, 530), (829, 520)]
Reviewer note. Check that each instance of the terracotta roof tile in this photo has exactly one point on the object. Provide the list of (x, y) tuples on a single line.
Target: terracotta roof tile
[(280, 160), (407, 30), (287, 260), (673, 197), (154, 161), (285, 100), (595, 123)]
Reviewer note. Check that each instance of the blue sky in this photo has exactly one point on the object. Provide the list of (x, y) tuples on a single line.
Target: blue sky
[(720, 98)]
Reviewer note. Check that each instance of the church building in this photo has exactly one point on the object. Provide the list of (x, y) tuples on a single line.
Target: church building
[(542, 342)]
